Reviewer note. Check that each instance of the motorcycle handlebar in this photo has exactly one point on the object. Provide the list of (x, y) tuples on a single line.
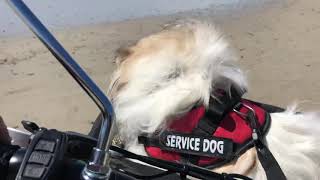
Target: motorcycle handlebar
[(71, 168)]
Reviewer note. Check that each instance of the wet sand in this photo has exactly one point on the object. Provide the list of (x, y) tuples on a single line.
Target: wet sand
[(278, 47)]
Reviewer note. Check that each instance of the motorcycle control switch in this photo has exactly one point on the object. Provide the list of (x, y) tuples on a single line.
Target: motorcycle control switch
[(44, 156)]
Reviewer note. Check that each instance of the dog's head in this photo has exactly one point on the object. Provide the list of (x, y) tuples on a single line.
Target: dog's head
[(165, 74)]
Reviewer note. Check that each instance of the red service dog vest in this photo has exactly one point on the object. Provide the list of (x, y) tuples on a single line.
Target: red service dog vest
[(204, 141)]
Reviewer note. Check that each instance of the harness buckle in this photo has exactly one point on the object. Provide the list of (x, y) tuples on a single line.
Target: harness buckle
[(252, 118), (246, 106), (268, 162)]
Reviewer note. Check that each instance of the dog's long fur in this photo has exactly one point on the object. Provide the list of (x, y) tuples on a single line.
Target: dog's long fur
[(165, 74)]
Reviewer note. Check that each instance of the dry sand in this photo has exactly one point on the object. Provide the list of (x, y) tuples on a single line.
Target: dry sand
[(278, 47)]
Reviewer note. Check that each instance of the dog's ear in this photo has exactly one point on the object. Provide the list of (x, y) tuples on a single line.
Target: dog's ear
[(122, 53)]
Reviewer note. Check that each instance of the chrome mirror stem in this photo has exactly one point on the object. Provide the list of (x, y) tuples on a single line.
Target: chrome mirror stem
[(97, 168)]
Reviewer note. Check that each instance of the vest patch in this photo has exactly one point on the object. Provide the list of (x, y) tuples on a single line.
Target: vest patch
[(196, 145)]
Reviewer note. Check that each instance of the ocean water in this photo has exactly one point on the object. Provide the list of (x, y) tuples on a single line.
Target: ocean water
[(61, 13)]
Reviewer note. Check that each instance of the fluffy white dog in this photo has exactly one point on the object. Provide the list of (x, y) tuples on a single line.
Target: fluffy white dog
[(166, 74)]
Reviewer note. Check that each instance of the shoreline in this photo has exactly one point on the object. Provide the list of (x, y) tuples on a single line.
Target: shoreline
[(58, 17)]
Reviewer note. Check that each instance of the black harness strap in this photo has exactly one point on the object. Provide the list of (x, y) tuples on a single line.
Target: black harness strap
[(222, 103), (270, 164), (148, 141), (205, 126), (267, 107), (267, 160)]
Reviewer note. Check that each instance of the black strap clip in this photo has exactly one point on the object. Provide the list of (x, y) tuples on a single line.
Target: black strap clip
[(252, 118), (267, 160)]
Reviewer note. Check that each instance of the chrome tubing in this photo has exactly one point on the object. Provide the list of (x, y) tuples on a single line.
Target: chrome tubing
[(98, 165)]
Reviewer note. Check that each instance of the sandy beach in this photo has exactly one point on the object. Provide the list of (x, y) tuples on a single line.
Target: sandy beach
[(278, 48)]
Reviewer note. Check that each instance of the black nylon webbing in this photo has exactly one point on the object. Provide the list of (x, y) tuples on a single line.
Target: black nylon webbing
[(148, 141), (267, 160), (270, 164), (218, 107), (205, 126), (222, 103)]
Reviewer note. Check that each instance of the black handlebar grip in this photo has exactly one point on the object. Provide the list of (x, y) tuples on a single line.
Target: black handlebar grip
[(9, 166)]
